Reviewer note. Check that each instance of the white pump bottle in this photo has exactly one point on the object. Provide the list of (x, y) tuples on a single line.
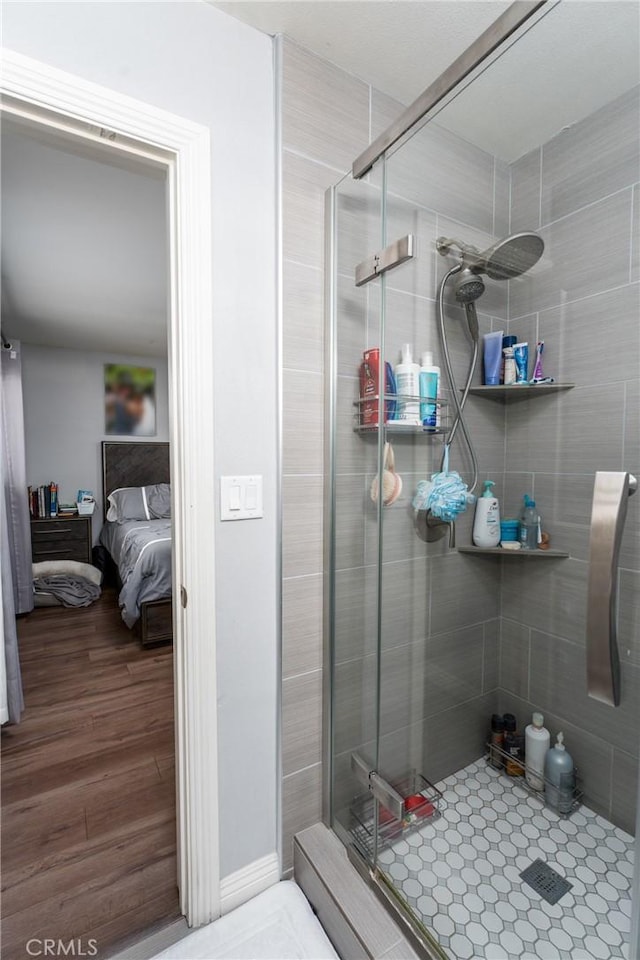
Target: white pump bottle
[(408, 385), (486, 523)]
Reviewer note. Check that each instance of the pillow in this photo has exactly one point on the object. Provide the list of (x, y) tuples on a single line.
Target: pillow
[(140, 503), (159, 500), (127, 503)]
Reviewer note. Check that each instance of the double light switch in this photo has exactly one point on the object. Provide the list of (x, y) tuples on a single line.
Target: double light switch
[(241, 498)]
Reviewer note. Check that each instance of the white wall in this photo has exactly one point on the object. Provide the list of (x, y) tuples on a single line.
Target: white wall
[(63, 392), (193, 60)]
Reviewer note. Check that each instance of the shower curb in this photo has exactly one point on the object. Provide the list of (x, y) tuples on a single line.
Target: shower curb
[(354, 919)]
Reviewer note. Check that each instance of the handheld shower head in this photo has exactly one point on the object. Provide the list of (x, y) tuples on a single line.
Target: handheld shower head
[(468, 286)]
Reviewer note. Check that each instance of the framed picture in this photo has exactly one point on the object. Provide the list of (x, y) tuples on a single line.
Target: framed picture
[(129, 400)]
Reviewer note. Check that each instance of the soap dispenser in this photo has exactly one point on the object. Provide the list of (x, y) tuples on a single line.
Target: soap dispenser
[(560, 777), (486, 524)]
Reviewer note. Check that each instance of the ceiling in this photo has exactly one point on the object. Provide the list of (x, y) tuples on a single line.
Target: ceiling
[(579, 57), (84, 245), (398, 46)]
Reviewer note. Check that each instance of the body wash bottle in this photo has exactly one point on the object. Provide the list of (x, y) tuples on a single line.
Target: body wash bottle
[(560, 777), (486, 524)]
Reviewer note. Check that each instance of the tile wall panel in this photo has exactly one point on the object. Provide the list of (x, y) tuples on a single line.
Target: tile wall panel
[(525, 192), (559, 684), (301, 625), (301, 807), (301, 721), (592, 159), (586, 251), (635, 236), (325, 111), (586, 309), (325, 121), (440, 171)]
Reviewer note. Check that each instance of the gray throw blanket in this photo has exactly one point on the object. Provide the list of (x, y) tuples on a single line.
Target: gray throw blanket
[(70, 591)]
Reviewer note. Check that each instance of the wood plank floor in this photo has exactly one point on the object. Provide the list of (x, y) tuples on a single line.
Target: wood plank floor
[(88, 784)]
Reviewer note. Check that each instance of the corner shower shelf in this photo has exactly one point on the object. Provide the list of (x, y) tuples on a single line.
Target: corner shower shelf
[(528, 554), (498, 758), (519, 391)]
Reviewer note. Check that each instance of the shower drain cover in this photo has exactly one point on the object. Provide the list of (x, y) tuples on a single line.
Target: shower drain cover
[(545, 881)]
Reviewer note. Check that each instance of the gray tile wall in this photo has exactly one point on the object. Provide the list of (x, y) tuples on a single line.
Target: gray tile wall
[(580, 190), (325, 116)]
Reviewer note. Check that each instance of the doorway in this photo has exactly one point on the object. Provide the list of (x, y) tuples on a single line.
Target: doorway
[(77, 108), (88, 775)]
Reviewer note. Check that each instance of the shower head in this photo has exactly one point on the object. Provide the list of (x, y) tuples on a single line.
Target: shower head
[(469, 286), (506, 259), (512, 256)]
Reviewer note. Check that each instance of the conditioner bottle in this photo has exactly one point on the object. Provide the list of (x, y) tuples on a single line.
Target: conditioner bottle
[(536, 746)]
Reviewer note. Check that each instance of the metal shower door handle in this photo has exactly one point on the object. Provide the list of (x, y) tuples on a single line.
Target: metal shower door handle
[(611, 493)]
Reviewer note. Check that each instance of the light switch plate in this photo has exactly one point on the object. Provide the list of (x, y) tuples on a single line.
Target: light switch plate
[(241, 498)]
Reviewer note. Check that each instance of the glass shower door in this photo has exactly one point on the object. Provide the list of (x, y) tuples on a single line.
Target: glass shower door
[(465, 635)]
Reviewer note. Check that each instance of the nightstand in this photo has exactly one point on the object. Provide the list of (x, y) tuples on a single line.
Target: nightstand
[(61, 538)]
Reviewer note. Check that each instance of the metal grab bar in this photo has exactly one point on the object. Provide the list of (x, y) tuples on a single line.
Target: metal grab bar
[(611, 493)]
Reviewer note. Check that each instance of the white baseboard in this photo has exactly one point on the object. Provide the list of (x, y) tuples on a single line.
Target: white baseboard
[(246, 883)]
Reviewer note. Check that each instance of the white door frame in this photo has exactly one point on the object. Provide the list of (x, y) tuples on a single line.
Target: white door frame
[(71, 103)]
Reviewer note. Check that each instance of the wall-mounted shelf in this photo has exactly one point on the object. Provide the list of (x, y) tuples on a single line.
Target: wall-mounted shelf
[(398, 427), (520, 391), (368, 408), (528, 554)]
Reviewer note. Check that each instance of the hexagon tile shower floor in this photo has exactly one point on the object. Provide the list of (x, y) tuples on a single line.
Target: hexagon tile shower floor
[(461, 873)]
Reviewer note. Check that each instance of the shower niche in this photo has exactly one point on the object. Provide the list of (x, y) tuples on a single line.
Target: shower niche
[(424, 641)]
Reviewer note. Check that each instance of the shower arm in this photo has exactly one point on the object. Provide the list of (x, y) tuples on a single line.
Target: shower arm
[(458, 403)]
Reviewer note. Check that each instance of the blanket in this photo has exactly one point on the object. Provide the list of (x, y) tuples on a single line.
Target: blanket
[(71, 591)]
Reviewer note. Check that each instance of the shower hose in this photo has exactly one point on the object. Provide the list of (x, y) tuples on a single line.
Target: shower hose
[(459, 403)]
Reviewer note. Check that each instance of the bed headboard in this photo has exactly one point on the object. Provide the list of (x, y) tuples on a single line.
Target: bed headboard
[(133, 464)]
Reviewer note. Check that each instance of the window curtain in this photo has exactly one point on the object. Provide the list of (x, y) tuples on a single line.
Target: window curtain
[(15, 536)]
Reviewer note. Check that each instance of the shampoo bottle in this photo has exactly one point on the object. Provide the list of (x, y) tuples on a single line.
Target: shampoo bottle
[(536, 746), (408, 385), (430, 390), (560, 777), (486, 524)]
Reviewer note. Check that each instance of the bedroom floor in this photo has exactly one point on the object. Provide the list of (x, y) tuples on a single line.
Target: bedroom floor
[(88, 795)]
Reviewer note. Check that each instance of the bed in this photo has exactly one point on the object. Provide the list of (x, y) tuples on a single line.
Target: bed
[(138, 539)]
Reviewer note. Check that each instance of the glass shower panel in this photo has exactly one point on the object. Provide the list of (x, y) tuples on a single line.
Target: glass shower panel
[(353, 585), (439, 636)]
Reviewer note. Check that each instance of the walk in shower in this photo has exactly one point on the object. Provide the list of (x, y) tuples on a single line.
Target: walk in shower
[(427, 637)]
